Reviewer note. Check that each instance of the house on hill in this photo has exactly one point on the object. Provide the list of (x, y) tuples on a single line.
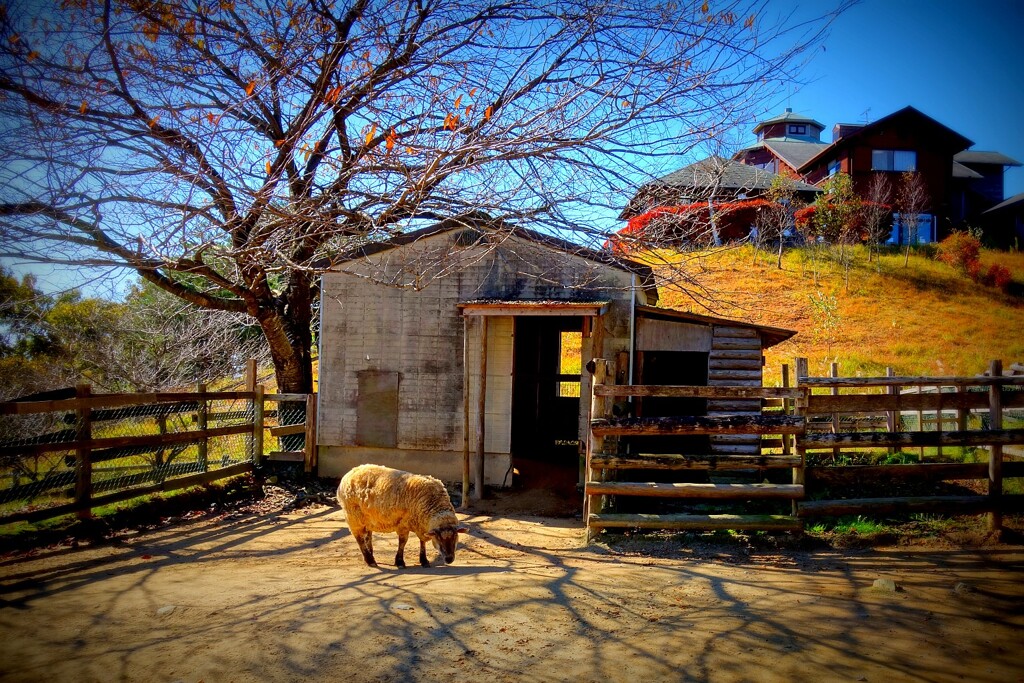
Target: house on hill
[(470, 338)]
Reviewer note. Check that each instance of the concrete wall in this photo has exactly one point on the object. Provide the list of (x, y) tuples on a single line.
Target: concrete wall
[(413, 327)]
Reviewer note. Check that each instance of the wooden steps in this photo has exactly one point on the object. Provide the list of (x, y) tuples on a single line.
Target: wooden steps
[(689, 522)]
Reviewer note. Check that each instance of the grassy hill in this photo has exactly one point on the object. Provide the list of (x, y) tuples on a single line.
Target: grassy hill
[(919, 319)]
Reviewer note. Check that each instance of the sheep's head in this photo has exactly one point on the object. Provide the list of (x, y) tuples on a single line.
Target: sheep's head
[(445, 539)]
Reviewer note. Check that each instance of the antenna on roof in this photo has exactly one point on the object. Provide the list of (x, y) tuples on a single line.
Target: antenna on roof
[(866, 115)]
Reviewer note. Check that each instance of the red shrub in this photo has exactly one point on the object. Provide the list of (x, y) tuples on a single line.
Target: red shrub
[(998, 276), (961, 251)]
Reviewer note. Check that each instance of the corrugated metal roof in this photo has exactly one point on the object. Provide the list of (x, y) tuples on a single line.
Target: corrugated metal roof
[(1012, 201), (796, 153), (770, 336), (788, 117)]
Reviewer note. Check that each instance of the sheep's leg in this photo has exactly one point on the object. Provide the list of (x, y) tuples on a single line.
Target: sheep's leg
[(403, 536), (364, 539), (424, 562)]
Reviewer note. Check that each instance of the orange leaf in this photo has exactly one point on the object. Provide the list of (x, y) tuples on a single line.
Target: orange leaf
[(84, 107), (250, 88), (212, 119), (408, 150), (32, 56), (278, 143), (472, 92), (458, 101), (390, 142), (153, 121), (626, 104), (268, 167), (371, 134), (488, 112)]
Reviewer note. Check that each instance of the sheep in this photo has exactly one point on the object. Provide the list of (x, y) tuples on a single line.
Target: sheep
[(379, 498)]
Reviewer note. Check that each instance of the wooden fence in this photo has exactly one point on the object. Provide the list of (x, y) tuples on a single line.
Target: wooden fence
[(816, 429), (121, 446)]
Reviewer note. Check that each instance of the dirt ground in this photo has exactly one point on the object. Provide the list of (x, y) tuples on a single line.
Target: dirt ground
[(284, 596)]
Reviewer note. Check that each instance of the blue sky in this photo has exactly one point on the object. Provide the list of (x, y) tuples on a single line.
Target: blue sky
[(959, 62)]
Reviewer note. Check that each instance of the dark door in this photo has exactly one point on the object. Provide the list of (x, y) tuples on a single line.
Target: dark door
[(546, 394), (668, 368)]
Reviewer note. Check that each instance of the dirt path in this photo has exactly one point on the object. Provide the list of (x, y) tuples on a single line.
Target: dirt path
[(286, 598)]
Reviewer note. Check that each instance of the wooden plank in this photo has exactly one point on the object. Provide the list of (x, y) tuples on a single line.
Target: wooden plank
[(672, 461), (734, 364), (286, 430), (126, 441), (854, 506), (285, 397), (287, 456), (667, 335), (698, 424), (869, 403), (734, 450), (737, 438), (683, 391), (736, 332), (112, 400), (752, 383), (97, 501), (932, 471), (995, 459), (726, 344), (913, 439), (718, 375), (738, 354), (687, 490), (683, 522), (979, 381), (747, 406)]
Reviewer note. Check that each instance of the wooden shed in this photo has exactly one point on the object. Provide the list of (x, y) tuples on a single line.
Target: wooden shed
[(467, 340)]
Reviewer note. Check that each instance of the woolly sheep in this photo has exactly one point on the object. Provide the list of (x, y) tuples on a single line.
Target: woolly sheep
[(379, 498)]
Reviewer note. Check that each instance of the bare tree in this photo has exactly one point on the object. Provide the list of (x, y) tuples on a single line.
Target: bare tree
[(876, 211), (774, 220), (225, 150), (911, 201)]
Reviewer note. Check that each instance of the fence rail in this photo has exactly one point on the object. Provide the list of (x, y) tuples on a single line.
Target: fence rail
[(816, 428), (72, 454)]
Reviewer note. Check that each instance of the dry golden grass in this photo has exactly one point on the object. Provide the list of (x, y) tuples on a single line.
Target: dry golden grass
[(922, 319)]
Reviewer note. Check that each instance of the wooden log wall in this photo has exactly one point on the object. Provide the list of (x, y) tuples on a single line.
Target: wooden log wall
[(735, 361)]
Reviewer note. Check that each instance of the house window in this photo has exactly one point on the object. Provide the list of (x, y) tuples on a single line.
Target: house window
[(833, 168), (893, 160), (570, 363), (797, 129)]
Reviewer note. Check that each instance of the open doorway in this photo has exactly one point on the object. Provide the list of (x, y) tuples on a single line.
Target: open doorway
[(546, 401)]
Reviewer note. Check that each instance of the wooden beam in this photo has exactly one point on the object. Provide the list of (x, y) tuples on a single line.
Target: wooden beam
[(683, 391), (481, 417), (671, 461), (688, 490), (913, 439), (682, 522), (981, 381), (932, 471), (956, 505), (698, 424)]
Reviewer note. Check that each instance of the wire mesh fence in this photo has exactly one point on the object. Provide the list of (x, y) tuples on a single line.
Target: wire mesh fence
[(79, 452)]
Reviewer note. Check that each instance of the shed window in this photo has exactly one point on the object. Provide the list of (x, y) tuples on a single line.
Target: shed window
[(797, 129), (570, 363)]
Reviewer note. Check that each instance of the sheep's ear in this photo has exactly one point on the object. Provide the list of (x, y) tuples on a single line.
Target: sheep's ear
[(462, 530)]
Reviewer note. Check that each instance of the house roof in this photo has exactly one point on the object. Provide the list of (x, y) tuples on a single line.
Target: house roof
[(787, 117), (961, 171), (718, 173), (794, 152), (483, 225), (1016, 200), (956, 141), (770, 336), (971, 156)]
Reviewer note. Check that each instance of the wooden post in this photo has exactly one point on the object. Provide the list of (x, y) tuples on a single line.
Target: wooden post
[(801, 371), (786, 407), (201, 423), (250, 374), (834, 372), (595, 444), (892, 417), (465, 414), (481, 418), (995, 462), (257, 425), (939, 423), (83, 453), (309, 460), (961, 412)]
